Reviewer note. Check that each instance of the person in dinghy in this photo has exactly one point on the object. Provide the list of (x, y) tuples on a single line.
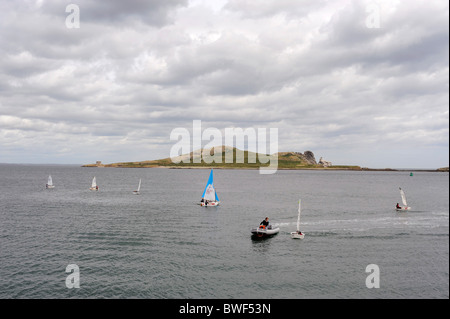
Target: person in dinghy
[(398, 206), (264, 230), (264, 223)]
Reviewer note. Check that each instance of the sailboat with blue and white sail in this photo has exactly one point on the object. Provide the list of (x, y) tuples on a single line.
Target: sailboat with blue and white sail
[(209, 197)]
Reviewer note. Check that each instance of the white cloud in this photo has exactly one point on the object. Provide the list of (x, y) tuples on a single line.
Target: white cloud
[(136, 70)]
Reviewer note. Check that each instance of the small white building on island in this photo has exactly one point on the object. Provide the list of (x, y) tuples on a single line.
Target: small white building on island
[(324, 163)]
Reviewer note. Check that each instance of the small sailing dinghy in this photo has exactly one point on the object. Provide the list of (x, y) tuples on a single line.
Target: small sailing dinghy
[(405, 204), (137, 192), (209, 197), (94, 186), (49, 182), (298, 234)]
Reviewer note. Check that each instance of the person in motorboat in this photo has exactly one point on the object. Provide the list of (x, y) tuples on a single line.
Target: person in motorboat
[(398, 206), (264, 223)]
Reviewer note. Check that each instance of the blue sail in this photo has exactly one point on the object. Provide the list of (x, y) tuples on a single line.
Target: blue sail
[(210, 182)]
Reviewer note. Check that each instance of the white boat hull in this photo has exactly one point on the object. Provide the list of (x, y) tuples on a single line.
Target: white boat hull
[(93, 189), (296, 235), (136, 193), (261, 232), (210, 204), (50, 186), (402, 208)]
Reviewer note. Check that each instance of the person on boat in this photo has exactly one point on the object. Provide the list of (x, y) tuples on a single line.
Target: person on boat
[(265, 222), (398, 206), (96, 187)]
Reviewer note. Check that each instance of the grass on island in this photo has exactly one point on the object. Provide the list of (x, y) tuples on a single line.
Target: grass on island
[(286, 160)]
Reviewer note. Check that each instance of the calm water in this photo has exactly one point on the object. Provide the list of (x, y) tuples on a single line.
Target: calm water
[(162, 245)]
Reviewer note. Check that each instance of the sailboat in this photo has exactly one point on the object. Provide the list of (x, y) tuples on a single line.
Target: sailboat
[(137, 192), (94, 186), (209, 197), (405, 205), (50, 182), (298, 234)]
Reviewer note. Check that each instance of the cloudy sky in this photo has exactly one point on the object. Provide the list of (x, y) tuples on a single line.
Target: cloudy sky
[(359, 82)]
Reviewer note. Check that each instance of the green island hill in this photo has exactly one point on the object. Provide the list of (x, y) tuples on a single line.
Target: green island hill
[(240, 160)]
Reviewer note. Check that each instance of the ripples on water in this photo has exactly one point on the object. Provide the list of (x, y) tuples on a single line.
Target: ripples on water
[(161, 244)]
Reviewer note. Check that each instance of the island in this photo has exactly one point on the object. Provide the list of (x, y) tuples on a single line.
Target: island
[(241, 160), (286, 161)]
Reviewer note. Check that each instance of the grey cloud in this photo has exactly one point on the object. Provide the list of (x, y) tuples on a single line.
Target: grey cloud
[(262, 9), (122, 13), (136, 70)]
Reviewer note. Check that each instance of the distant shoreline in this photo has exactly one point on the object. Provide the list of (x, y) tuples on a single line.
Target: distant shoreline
[(226, 157), (351, 168)]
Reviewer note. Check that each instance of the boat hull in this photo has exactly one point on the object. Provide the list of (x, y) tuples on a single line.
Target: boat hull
[(402, 209), (259, 233), (48, 186), (296, 235), (210, 204)]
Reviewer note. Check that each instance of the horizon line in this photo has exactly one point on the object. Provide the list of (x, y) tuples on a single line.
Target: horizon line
[(362, 167)]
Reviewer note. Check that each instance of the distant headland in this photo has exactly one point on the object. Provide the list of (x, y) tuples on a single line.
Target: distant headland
[(286, 161)]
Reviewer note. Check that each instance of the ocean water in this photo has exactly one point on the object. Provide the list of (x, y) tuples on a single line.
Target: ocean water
[(162, 245)]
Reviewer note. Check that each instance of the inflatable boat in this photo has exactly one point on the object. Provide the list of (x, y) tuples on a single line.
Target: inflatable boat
[(263, 232)]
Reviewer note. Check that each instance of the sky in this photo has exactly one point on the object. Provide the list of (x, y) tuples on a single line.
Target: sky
[(357, 82)]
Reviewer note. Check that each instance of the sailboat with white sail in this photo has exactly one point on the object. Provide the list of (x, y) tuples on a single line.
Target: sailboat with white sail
[(49, 182), (405, 204), (94, 186), (298, 234), (137, 192), (209, 197)]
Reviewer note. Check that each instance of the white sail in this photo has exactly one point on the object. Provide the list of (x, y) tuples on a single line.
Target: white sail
[(402, 193), (298, 234), (210, 193), (137, 192), (94, 183), (49, 182)]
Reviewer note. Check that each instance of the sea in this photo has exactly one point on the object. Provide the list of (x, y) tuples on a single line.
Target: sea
[(70, 242)]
